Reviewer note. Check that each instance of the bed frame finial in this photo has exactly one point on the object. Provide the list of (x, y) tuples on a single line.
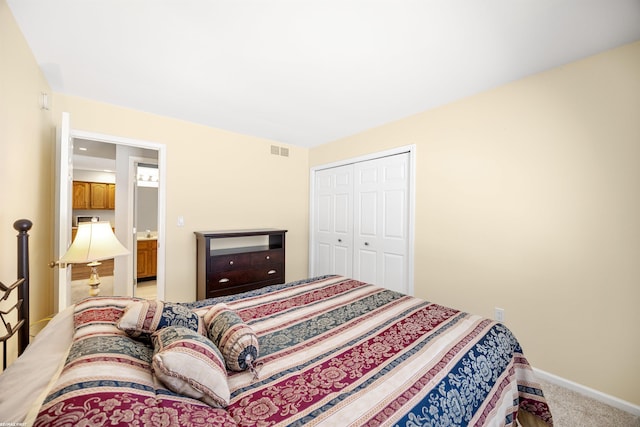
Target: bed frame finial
[(23, 226)]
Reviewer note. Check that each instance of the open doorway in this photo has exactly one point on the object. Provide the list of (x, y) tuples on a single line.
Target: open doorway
[(123, 272), (132, 210), (146, 224)]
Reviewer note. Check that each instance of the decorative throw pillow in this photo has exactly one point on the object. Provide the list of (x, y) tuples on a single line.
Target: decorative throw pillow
[(142, 318), (190, 364), (236, 340)]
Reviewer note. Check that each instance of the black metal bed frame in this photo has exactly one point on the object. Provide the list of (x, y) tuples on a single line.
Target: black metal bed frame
[(21, 307)]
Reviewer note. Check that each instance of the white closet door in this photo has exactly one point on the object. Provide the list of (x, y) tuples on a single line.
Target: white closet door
[(334, 221), (381, 204)]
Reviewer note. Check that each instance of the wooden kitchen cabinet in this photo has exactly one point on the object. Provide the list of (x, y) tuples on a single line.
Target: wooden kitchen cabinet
[(147, 259), (111, 196), (81, 195), (94, 195), (98, 195)]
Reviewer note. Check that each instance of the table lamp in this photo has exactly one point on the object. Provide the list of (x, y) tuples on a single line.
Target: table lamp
[(94, 242)]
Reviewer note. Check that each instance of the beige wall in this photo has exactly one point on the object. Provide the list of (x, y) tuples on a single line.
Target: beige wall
[(215, 179), (25, 164), (528, 199)]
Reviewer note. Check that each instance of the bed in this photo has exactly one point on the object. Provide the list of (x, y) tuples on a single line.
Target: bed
[(328, 351)]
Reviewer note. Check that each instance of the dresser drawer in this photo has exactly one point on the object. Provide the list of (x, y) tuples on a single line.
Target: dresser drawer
[(230, 262), (274, 257), (235, 261), (231, 278)]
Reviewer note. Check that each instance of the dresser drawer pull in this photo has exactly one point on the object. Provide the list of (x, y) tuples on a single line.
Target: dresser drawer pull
[(230, 262), (267, 257), (271, 272), (223, 280)]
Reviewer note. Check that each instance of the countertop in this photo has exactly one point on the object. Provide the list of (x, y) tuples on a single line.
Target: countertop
[(144, 235)]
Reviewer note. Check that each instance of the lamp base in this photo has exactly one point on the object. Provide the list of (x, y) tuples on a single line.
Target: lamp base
[(94, 279)]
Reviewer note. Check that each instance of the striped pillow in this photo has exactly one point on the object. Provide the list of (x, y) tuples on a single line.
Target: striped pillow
[(190, 364), (236, 340), (99, 315), (144, 317)]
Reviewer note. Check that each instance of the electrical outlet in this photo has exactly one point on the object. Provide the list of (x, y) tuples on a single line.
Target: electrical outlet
[(499, 314)]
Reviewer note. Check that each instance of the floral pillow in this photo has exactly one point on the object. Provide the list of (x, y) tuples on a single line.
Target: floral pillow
[(144, 317), (236, 340), (190, 364)]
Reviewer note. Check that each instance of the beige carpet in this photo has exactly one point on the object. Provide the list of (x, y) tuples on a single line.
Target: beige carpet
[(571, 409)]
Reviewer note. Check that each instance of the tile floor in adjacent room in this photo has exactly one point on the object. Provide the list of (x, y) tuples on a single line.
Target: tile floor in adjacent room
[(146, 289), (80, 289)]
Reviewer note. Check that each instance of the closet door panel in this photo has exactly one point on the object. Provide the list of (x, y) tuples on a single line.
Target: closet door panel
[(342, 260), (334, 221), (367, 266), (394, 214), (394, 272), (342, 213), (323, 259), (367, 214), (381, 241), (323, 214)]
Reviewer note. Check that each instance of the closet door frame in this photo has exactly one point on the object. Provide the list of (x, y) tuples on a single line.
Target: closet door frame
[(411, 149)]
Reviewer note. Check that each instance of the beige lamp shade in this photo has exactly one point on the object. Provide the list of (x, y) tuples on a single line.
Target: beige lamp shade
[(94, 241)]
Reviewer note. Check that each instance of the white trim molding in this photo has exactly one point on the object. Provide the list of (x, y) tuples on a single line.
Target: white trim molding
[(162, 199), (589, 392)]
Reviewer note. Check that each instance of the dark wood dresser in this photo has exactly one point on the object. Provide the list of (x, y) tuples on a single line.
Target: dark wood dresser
[(234, 261)]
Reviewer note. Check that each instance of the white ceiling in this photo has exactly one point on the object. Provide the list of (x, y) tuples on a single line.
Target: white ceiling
[(307, 72)]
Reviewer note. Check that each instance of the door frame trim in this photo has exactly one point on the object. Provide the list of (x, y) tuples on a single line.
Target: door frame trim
[(162, 193), (411, 149)]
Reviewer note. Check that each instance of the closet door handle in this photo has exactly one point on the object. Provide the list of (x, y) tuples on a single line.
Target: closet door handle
[(223, 280)]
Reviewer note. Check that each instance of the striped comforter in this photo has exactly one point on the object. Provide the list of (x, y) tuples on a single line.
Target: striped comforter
[(333, 352)]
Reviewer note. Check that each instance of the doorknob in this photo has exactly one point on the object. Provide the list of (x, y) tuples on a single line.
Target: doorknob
[(339, 240), (53, 264), (366, 243)]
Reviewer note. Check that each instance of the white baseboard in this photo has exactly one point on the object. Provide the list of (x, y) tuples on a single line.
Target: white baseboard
[(589, 392)]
